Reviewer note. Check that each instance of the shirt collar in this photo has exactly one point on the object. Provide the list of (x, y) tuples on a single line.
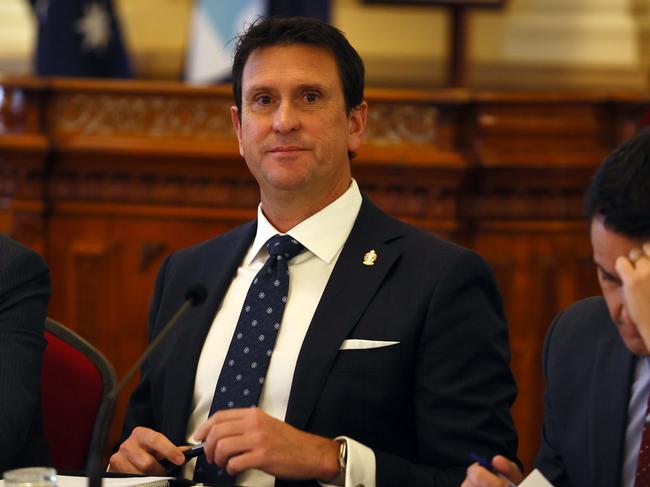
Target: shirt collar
[(323, 233)]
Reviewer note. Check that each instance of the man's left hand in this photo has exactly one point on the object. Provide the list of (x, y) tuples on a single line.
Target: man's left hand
[(241, 439)]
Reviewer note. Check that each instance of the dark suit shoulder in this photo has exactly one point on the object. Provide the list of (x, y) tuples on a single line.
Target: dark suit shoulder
[(16, 259), (197, 253), (415, 242), (580, 327), (439, 260), (20, 266), (584, 361), (573, 340), (211, 262)]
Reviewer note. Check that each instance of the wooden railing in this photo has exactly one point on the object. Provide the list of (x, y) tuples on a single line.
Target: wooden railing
[(106, 178)]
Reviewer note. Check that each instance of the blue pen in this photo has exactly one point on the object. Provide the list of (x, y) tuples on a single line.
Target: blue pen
[(190, 453), (487, 465)]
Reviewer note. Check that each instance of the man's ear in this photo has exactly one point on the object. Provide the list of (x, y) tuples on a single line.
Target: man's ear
[(236, 122), (357, 121)]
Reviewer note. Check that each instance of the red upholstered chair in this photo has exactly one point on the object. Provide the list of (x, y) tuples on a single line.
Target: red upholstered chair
[(75, 379)]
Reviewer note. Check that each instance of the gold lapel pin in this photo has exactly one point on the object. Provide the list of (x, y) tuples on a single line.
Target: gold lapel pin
[(370, 257)]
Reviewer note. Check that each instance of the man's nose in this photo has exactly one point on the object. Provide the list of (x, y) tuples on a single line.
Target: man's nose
[(624, 316), (286, 118)]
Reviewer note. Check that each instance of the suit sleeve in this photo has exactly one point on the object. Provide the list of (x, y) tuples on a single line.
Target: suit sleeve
[(24, 294), (140, 411), (549, 460), (463, 386)]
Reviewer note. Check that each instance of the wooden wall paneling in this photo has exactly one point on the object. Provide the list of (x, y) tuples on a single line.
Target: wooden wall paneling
[(23, 151), (93, 275), (411, 163), (510, 256), (533, 157), (542, 130), (84, 258), (538, 274)]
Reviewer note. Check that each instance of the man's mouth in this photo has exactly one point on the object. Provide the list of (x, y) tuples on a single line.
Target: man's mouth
[(286, 148)]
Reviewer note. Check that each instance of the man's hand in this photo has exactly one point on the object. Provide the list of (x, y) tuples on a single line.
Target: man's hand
[(635, 275), (241, 439), (141, 452), (478, 476)]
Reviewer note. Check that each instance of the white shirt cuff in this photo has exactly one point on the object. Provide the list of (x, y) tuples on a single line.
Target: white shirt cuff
[(361, 466)]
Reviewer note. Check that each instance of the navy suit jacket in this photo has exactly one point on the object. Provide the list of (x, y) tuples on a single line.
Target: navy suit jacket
[(589, 373), (24, 294), (422, 405)]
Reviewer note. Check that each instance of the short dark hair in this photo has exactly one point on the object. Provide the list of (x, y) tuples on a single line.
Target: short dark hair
[(620, 190), (273, 31)]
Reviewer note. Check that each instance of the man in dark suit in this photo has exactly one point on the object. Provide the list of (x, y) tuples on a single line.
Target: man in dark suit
[(24, 294), (595, 357), (391, 361)]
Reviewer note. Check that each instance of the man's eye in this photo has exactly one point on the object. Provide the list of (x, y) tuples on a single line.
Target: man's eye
[(606, 277), (311, 97), (263, 99)]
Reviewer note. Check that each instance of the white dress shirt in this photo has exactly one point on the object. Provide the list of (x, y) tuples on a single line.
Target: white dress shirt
[(323, 236)]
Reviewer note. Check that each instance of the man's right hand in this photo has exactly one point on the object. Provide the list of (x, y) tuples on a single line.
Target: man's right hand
[(141, 452), (634, 271), (478, 476)]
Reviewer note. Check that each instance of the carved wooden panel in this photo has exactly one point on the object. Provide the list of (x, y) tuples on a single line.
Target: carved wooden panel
[(130, 115)]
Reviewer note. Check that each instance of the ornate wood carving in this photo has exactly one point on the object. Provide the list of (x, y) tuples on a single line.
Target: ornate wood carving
[(407, 124), (154, 116)]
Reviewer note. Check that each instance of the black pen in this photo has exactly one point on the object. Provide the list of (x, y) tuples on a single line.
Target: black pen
[(190, 453), (487, 465)]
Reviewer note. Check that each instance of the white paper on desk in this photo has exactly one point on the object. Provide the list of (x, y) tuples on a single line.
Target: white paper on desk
[(70, 481), (535, 479)]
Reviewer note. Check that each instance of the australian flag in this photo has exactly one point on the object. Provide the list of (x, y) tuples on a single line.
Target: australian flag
[(79, 38)]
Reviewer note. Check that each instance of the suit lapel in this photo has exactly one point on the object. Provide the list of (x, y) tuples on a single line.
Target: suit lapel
[(349, 290), (217, 266), (609, 403)]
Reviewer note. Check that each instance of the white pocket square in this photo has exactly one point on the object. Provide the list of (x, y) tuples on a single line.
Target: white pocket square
[(358, 344)]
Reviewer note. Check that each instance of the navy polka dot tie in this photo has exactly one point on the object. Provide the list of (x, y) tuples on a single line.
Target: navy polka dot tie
[(244, 370)]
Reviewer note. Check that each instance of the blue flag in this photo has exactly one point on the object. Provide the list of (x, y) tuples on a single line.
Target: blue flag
[(79, 38), (214, 26)]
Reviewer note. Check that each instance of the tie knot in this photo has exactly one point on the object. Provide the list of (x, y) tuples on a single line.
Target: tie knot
[(285, 246)]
